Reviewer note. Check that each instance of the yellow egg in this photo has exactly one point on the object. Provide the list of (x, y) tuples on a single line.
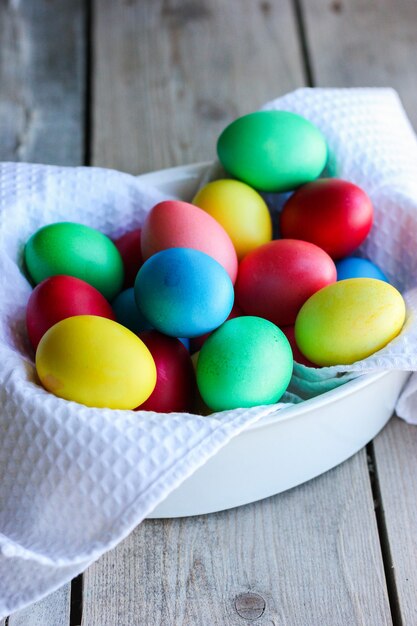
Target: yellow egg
[(349, 320), (240, 210), (97, 362)]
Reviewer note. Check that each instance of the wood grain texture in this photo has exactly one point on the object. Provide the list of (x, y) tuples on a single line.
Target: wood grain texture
[(363, 43), (360, 43), (51, 611), (169, 75), (312, 554), (42, 92), (42, 81), (396, 468)]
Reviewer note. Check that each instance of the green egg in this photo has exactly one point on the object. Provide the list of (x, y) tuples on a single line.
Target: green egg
[(246, 362), (272, 150), (75, 250)]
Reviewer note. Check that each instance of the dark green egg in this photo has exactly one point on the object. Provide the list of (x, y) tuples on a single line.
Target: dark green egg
[(272, 151), (75, 250)]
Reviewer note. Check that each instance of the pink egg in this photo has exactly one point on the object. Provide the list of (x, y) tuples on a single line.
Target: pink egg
[(175, 378), (176, 224)]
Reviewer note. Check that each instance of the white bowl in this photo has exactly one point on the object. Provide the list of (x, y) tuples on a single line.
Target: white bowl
[(290, 446)]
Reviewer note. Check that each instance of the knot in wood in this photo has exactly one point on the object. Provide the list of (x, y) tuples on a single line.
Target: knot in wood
[(250, 606)]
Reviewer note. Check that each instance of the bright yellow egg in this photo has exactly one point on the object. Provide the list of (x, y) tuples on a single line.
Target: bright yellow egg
[(349, 320), (240, 210), (97, 362)]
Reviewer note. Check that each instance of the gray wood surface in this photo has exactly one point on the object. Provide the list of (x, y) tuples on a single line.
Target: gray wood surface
[(169, 75), (376, 45), (42, 76), (396, 469), (361, 43), (311, 555), (51, 611), (42, 93)]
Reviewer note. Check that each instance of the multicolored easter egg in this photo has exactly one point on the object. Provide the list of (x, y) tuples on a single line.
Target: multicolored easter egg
[(177, 224), (277, 278), (59, 297), (349, 320), (246, 362), (97, 362), (175, 378), (130, 250), (241, 211), (183, 292), (75, 250), (355, 267), (127, 312), (272, 150), (334, 214)]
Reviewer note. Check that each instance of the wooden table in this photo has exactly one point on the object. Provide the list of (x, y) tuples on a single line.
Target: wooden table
[(139, 85)]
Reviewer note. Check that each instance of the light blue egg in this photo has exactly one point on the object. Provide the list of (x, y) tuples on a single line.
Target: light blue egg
[(354, 267), (184, 292), (127, 313)]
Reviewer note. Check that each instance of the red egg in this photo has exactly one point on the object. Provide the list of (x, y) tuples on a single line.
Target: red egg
[(59, 297), (334, 214), (298, 356), (277, 278), (177, 224), (197, 342), (175, 378), (129, 247)]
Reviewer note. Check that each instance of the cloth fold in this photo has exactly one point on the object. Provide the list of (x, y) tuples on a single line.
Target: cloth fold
[(74, 481)]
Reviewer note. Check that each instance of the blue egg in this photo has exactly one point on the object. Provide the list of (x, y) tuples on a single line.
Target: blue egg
[(353, 267), (184, 292), (127, 313), (185, 341)]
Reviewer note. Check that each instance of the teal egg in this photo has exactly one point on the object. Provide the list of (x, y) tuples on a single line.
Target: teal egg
[(246, 362), (127, 312), (75, 250), (272, 151)]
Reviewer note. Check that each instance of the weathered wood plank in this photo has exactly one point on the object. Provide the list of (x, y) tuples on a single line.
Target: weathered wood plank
[(311, 555), (42, 76), (42, 92), (396, 469), (51, 611), (360, 43), (169, 75), (364, 44)]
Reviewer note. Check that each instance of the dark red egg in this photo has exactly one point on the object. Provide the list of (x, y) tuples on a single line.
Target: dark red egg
[(334, 214), (298, 356), (197, 342), (59, 297), (129, 247), (277, 278), (175, 378)]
